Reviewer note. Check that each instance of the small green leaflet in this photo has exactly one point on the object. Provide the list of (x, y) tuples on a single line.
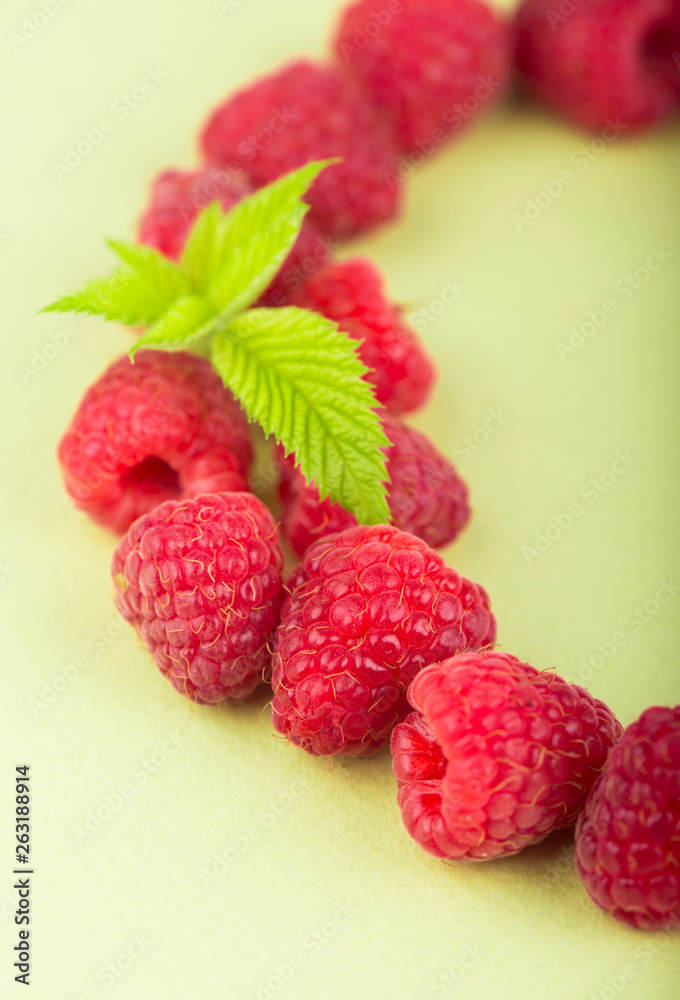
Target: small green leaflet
[(188, 318), (300, 378), (232, 257), (139, 293), (228, 261)]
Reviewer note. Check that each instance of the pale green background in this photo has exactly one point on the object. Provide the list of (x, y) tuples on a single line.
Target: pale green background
[(297, 839)]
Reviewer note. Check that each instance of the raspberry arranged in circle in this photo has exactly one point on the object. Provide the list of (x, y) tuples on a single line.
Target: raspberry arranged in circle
[(367, 609), (161, 428), (307, 112), (351, 293), (432, 65), (628, 835), (602, 64), (179, 196), (200, 581), (426, 495), (496, 755)]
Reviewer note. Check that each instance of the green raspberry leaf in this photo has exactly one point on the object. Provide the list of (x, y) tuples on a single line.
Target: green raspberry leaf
[(136, 294), (228, 261), (232, 257), (300, 378), (204, 249), (187, 319)]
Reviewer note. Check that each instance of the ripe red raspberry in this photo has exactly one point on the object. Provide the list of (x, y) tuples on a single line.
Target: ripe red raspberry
[(426, 495), (367, 609), (200, 581), (162, 428), (352, 294), (496, 755), (433, 64), (306, 112), (177, 198), (628, 835), (603, 63)]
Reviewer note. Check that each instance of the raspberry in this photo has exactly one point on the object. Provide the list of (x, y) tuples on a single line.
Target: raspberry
[(177, 198), (200, 580), (159, 429), (351, 293), (628, 835), (496, 755), (306, 112), (367, 609), (604, 63), (426, 495), (432, 65)]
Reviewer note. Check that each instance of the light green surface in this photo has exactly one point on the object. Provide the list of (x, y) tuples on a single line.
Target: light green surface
[(297, 841)]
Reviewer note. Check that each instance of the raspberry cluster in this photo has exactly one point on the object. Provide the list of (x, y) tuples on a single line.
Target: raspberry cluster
[(402, 82), (378, 639)]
